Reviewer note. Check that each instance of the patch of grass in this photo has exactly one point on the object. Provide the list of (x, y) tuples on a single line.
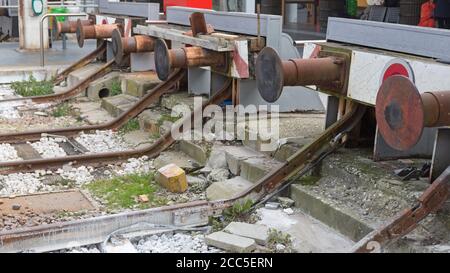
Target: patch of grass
[(131, 125), (122, 191), (32, 87), (309, 180), (279, 237), (116, 88), (238, 210), (62, 110), (166, 117)]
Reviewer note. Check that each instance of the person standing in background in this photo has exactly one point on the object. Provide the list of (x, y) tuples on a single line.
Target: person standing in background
[(442, 13)]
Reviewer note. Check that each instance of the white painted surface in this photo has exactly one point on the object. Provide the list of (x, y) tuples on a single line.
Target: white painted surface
[(29, 24), (366, 72)]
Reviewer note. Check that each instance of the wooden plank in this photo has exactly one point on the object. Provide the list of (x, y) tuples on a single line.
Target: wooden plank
[(26, 151)]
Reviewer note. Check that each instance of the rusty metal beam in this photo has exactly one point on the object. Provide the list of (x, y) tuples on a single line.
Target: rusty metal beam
[(432, 199), (168, 59), (402, 112), (272, 74)]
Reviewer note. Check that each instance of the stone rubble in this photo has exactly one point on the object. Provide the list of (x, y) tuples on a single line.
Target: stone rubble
[(8, 153), (8, 110), (102, 141), (80, 175), (135, 165), (48, 147), (174, 243)]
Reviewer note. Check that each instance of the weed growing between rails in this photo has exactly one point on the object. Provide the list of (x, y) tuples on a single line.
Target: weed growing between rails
[(227, 123)]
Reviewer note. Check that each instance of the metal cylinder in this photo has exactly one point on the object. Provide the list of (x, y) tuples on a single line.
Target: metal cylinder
[(71, 26), (121, 46), (272, 74), (402, 112), (168, 59), (95, 31)]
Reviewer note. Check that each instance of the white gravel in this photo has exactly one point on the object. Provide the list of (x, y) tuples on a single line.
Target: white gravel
[(135, 165), (48, 147), (80, 175), (8, 153), (21, 183), (8, 110), (174, 243), (102, 141)]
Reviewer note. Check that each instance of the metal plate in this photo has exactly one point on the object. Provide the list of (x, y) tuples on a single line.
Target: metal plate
[(117, 47), (269, 74), (162, 60), (399, 112), (80, 33)]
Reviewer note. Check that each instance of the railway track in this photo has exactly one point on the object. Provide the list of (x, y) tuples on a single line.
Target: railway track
[(151, 97), (68, 94), (95, 230), (98, 159), (90, 231)]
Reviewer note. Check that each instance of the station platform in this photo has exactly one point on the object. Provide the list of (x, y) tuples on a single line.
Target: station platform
[(16, 65)]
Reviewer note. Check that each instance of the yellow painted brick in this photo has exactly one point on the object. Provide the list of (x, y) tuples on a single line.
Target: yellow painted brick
[(172, 177)]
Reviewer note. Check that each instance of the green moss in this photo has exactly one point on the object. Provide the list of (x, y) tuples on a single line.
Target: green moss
[(165, 117), (116, 88), (32, 87), (131, 125), (309, 180), (122, 191)]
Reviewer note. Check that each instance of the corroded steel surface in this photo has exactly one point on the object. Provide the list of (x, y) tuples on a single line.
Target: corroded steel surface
[(272, 74), (167, 59), (122, 46), (95, 31), (402, 112)]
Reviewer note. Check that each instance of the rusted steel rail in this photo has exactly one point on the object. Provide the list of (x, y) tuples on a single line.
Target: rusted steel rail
[(98, 159), (80, 63), (95, 230), (432, 199), (136, 109), (402, 112), (63, 96)]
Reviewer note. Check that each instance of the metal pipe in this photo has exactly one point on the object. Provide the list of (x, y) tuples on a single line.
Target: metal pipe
[(402, 112), (95, 31), (122, 46), (272, 74), (168, 59), (71, 26), (41, 28)]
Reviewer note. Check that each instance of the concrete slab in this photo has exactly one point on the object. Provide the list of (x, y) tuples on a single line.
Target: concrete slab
[(180, 98), (308, 234), (194, 150), (116, 105), (230, 242), (138, 138), (227, 189), (102, 87), (139, 84), (179, 158), (80, 74), (254, 169), (235, 155), (152, 120), (259, 233), (73, 200)]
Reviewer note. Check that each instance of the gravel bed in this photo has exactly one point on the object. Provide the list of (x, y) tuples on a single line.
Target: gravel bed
[(48, 147), (22, 183), (8, 153), (102, 141)]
